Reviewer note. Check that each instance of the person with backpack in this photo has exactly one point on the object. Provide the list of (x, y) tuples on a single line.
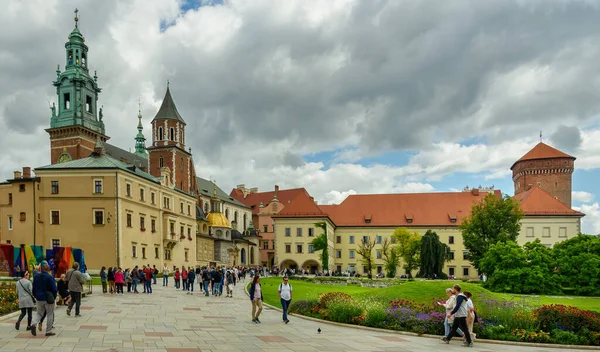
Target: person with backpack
[(191, 276), (154, 274), (285, 296)]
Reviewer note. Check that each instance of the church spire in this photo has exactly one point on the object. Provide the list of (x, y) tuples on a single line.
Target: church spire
[(140, 140)]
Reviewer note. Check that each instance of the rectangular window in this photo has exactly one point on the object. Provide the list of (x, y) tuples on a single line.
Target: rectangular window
[(299, 248), (266, 228), (562, 232), (351, 239), (465, 272), (10, 223), (128, 190), (451, 255), (546, 232), (181, 231), (379, 269), (66, 101), (55, 242), (88, 104), (189, 232), (465, 255), (181, 207), (311, 232), (98, 217), (21, 188), (378, 253), (129, 220), (338, 253), (142, 223), (288, 232), (288, 248), (365, 239), (189, 210), (172, 228), (167, 254), (266, 245), (529, 232), (379, 239), (311, 248), (54, 187), (338, 268), (55, 217), (352, 254), (153, 224), (98, 186), (134, 251), (451, 240), (9, 198), (156, 252), (451, 271), (338, 239), (22, 216), (142, 195), (186, 255), (299, 231), (152, 198), (143, 252)]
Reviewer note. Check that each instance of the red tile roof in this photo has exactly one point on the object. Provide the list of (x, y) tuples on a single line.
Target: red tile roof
[(421, 209), (543, 151), (536, 201), (253, 200), (301, 206)]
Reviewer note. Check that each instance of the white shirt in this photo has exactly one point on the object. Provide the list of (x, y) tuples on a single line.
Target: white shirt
[(285, 291), (470, 306)]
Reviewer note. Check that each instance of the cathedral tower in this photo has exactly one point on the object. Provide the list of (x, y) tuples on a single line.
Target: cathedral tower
[(76, 123), (547, 168), (168, 147)]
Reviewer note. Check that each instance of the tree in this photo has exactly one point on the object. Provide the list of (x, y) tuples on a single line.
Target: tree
[(320, 244), (409, 248), (365, 250), (528, 269), (391, 259), (493, 220), (433, 256), (577, 262)]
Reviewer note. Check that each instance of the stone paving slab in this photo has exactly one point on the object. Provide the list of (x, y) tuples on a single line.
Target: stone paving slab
[(170, 320)]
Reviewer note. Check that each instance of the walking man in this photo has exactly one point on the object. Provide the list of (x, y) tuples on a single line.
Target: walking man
[(285, 296), (460, 318), (75, 283), (44, 291)]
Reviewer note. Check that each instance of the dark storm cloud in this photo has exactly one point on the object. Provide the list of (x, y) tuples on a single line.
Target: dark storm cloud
[(293, 160), (567, 138)]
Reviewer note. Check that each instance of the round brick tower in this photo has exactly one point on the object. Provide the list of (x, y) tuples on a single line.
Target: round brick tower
[(547, 168)]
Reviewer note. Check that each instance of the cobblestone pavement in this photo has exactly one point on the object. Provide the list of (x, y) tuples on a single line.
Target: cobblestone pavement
[(170, 320)]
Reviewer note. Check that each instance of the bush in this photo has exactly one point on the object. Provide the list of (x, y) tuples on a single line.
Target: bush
[(8, 298), (334, 297), (303, 307), (531, 336), (558, 316), (376, 318), (346, 312)]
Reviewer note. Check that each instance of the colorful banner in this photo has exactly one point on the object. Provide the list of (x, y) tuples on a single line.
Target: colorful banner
[(14, 261)]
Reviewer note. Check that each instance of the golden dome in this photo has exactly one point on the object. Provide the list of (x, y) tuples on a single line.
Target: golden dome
[(218, 220)]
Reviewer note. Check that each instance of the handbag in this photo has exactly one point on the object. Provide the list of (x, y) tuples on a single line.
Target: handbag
[(50, 297)]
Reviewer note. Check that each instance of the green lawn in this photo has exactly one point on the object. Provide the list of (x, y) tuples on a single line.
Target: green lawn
[(420, 291)]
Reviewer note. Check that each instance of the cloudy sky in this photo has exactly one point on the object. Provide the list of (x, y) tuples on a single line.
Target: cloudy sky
[(338, 96)]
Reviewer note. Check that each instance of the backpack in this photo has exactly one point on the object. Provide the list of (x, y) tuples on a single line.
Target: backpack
[(280, 285)]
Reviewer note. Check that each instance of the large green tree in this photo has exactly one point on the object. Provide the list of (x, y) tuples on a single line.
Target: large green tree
[(408, 245), (434, 254), (493, 220), (527, 270), (577, 263), (365, 250), (320, 244), (391, 258)]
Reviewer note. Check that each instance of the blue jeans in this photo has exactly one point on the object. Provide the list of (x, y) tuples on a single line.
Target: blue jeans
[(206, 287), (165, 280), (148, 286), (190, 285), (285, 305), (448, 326), (154, 278), (134, 286)]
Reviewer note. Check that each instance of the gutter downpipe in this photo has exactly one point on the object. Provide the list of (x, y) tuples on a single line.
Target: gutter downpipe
[(117, 219)]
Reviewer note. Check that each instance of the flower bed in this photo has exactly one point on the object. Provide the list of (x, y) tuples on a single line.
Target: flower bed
[(498, 320), (8, 298)]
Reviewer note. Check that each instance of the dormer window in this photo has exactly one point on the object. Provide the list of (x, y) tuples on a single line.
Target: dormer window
[(409, 218), (368, 219), (452, 217), (409, 221)]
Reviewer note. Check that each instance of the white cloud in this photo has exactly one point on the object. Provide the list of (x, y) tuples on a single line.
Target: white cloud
[(590, 224), (584, 197)]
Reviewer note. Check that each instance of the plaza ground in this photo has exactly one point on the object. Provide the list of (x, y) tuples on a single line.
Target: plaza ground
[(170, 320)]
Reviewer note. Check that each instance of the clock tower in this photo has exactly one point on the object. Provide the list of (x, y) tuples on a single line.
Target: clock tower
[(76, 121)]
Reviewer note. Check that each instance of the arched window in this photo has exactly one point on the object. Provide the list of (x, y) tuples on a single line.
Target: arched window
[(227, 213), (160, 134), (252, 255), (243, 255), (172, 134), (161, 162)]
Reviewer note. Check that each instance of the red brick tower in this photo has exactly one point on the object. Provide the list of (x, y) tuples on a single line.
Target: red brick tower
[(547, 168), (168, 147)]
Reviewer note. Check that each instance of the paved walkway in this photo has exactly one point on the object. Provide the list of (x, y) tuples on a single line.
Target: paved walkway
[(169, 320)]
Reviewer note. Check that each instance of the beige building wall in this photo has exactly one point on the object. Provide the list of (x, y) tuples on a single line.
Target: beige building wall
[(549, 229), (205, 250), (17, 215), (292, 243)]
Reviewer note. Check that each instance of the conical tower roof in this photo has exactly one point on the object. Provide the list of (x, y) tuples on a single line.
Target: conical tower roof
[(168, 110)]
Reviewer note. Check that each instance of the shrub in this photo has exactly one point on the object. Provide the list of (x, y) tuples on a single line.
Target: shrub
[(334, 297), (511, 314), (558, 316), (376, 318), (567, 337), (303, 307), (8, 298), (531, 336), (346, 312)]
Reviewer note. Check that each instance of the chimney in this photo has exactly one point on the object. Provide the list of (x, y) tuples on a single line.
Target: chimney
[(17, 174), (241, 187), (254, 190), (276, 189), (26, 172), (475, 191)]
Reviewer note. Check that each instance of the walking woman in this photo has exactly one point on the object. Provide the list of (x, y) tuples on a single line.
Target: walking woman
[(449, 305), (103, 280), (256, 297), (26, 300)]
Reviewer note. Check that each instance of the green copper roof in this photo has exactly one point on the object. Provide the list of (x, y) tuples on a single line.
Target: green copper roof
[(140, 140), (168, 110), (99, 162), (205, 188)]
